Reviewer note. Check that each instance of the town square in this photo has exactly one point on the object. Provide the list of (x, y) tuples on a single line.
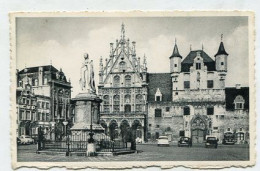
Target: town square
[(101, 89)]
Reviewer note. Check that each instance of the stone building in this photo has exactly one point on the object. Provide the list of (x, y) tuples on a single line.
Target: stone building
[(52, 91), (123, 89), (192, 99)]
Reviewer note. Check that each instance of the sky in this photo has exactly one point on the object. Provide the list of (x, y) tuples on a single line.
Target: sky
[(63, 41)]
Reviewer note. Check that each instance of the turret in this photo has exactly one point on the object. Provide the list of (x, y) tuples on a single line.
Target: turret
[(221, 57), (221, 63), (175, 60)]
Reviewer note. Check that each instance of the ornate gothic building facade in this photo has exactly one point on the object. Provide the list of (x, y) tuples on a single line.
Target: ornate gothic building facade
[(123, 89)]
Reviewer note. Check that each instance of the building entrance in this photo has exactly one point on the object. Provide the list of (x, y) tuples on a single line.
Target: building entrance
[(198, 130)]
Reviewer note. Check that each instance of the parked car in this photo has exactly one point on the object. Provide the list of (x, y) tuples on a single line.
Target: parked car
[(229, 139), (18, 141), (185, 141), (163, 141), (26, 139), (211, 142)]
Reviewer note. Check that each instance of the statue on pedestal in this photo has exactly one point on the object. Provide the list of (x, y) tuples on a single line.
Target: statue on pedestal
[(87, 82)]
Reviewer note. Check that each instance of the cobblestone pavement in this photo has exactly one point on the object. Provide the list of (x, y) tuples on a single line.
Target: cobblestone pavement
[(149, 153)]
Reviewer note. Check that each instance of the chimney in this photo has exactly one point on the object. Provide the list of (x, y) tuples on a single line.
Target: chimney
[(238, 86)]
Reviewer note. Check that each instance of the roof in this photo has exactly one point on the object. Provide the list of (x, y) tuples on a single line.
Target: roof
[(175, 52), (36, 69), (232, 93), (188, 61), (162, 81), (221, 50)]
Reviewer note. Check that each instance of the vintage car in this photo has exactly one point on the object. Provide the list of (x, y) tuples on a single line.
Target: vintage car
[(185, 141), (229, 139), (211, 142), (163, 141), (26, 139)]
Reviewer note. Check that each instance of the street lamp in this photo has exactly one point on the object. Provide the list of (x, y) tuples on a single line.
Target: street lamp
[(67, 137)]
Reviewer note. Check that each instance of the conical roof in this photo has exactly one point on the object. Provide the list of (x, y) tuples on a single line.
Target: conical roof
[(175, 52), (221, 50)]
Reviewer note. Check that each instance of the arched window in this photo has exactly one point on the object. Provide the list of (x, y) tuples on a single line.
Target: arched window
[(139, 98), (116, 81), (116, 103), (186, 110), (127, 98), (128, 81), (122, 66), (239, 102)]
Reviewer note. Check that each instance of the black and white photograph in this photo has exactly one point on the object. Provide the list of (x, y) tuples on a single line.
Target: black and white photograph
[(144, 88)]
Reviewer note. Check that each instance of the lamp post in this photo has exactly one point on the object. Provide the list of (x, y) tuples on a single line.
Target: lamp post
[(67, 137)]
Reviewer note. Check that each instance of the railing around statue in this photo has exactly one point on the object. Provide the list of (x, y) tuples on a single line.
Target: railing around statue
[(78, 144)]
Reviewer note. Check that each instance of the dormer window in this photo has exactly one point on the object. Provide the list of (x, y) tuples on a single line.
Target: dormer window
[(239, 102), (158, 95)]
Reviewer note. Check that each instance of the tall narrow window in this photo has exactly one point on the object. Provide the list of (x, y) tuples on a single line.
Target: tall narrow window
[(128, 81), (139, 103), (116, 81), (122, 66), (158, 113), (116, 103), (106, 103)]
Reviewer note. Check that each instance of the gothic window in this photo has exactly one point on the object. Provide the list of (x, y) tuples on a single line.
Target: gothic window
[(186, 110), (116, 81), (158, 113), (198, 66), (116, 103), (139, 99), (127, 98), (167, 109), (210, 84), (239, 102), (28, 116), (210, 110), (122, 66), (138, 108), (47, 105), (106, 103), (128, 81), (186, 84)]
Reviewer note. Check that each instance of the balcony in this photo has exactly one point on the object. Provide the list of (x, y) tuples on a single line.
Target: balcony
[(121, 113)]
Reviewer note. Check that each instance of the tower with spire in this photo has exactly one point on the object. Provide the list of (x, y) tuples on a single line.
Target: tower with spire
[(175, 60), (221, 62)]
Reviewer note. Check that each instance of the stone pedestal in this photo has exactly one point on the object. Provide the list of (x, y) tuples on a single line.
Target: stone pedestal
[(87, 111), (91, 149)]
